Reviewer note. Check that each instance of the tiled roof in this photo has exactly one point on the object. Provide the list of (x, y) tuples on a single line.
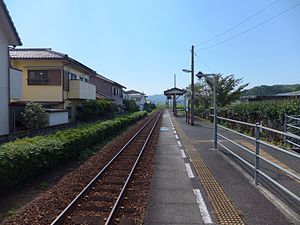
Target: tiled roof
[(133, 92), (11, 23), (294, 93), (109, 80), (175, 90), (35, 53), (44, 53)]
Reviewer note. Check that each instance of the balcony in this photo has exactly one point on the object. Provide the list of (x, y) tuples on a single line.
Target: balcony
[(15, 84), (81, 90)]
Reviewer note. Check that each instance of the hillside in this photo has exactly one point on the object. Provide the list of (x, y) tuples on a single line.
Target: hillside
[(264, 90), (157, 99)]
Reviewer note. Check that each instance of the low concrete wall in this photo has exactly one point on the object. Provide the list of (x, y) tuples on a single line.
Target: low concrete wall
[(35, 132), (56, 118)]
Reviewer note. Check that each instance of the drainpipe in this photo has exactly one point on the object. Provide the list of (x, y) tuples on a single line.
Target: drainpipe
[(62, 86), (10, 127)]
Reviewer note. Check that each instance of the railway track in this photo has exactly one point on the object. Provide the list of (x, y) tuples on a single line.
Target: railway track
[(100, 199)]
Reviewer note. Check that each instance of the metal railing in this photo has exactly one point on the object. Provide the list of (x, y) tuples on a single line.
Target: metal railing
[(256, 155), (292, 126)]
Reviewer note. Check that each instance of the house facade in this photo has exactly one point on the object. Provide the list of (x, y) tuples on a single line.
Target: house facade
[(8, 37), (107, 89), (53, 79), (277, 97), (138, 97)]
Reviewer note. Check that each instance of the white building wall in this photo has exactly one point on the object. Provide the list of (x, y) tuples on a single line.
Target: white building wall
[(4, 91)]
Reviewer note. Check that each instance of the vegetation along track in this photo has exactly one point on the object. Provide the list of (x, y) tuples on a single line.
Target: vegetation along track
[(99, 201)]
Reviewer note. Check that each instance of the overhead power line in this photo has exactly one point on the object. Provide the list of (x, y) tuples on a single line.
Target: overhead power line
[(237, 25), (209, 67), (251, 28)]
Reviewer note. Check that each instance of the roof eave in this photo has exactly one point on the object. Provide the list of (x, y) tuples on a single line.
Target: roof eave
[(15, 38)]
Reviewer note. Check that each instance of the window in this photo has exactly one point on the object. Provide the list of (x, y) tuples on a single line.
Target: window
[(44, 77), (72, 76), (83, 79), (38, 77), (115, 91)]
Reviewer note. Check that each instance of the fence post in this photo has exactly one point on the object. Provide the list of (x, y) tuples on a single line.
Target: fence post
[(215, 130), (257, 137), (285, 130)]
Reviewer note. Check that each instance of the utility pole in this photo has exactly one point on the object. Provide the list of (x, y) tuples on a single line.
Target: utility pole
[(193, 87), (174, 80)]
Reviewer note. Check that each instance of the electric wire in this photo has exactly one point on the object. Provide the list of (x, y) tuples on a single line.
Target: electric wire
[(237, 25), (209, 67), (251, 28)]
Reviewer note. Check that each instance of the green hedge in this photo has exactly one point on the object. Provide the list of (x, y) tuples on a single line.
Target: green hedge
[(93, 110), (27, 157), (268, 113)]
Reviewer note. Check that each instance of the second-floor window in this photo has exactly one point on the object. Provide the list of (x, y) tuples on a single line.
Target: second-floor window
[(83, 79), (44, 77), (115, 91), (72, 76), (38, 76)]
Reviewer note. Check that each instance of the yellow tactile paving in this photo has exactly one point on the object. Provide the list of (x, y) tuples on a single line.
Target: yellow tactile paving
[(224, 209), (266, 155)]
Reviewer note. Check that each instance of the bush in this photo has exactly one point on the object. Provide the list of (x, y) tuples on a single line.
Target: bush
[(93, 110), (149, 106), (34, 115), (130, 106), (270, 114), (27, 157)]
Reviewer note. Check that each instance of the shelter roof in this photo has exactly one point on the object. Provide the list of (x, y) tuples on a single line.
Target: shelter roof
[(174, 91)]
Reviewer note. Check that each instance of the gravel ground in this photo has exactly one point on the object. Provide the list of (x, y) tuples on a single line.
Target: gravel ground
[(48, 205), (132, 210)]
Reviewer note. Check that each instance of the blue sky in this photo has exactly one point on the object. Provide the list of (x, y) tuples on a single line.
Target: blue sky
[(142, 44)]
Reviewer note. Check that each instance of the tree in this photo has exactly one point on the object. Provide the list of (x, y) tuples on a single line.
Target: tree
[(202, 94), (130, 105), (149, 106), (34, 115), (93, 110), (228, 89)]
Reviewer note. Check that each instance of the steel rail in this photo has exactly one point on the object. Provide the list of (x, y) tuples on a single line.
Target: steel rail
[(297, 177), (237, 156), (292, 117), (235, 132), (295, 155), (292, 194), (61, 217), (287, 134), (236, 121), (233, 142), (114, 209), (292, 126), (293, 143)]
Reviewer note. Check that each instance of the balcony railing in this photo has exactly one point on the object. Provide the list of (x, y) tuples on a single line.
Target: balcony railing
[(81, 90)]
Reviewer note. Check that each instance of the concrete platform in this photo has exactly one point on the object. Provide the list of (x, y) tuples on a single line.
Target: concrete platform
[(172, 199), (251, 204)]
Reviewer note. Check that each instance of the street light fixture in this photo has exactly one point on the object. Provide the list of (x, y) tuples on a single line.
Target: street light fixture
[(200, 75), (186, 71)]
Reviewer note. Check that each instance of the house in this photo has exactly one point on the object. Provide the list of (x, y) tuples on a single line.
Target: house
[(277, 97), (8, 88), (107, 89), (53, 79), (138, 97)]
